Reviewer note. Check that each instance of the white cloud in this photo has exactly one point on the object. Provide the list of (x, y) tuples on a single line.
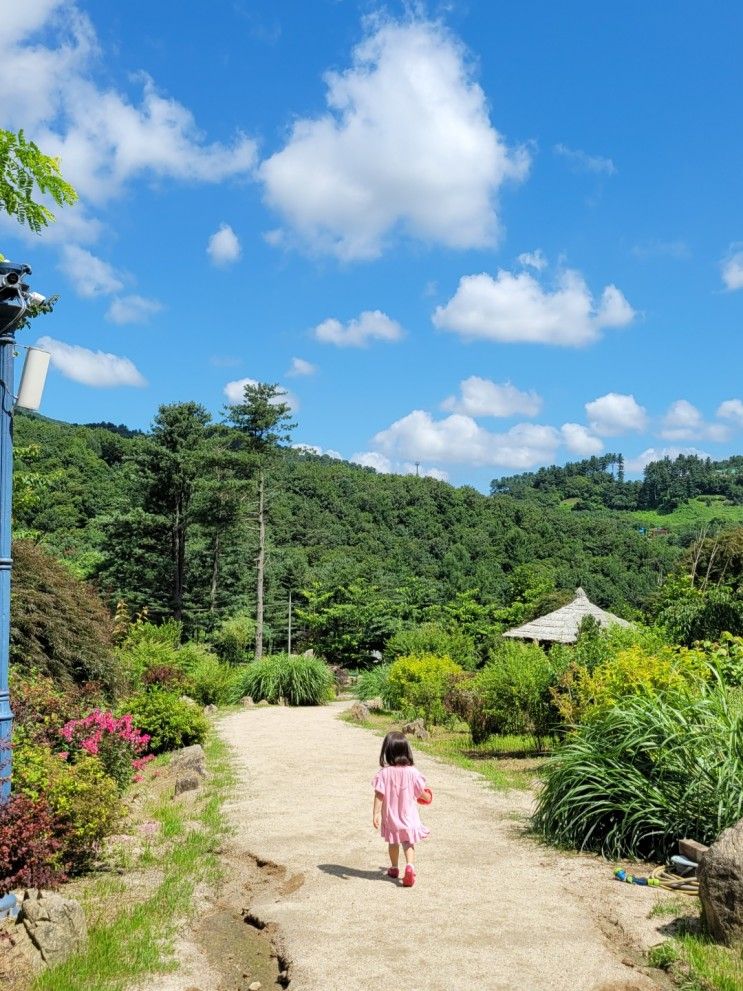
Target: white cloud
[(369, 325), (235, 391), (406, 144), (683, 421), (731, 409), (580, 440), (372, 459), (638, 464), (615, 413), (662, 249), (459, 439), (482, 397), (517, 309), (132, 309), (103, 137), (581, 161), (732, 271), (317, 450), (96, 368), (301, 367), (533, 259), (409, 468), (225, 360), (90, 276), (224, 246)]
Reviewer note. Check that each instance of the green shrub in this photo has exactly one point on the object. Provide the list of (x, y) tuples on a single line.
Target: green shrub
[(432, 638), (512, 693), (83, 799), (371, 684), (298, 680), (146, 646), (643, 773), (234, 638), (582, 694), (416, 687), (169, 721), (42, 706), (212, 682), (726, 656)]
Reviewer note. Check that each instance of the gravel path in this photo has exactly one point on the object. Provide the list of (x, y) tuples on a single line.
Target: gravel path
[(491, 910)]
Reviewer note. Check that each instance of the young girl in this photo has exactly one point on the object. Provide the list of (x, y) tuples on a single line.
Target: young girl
[(397, 786)]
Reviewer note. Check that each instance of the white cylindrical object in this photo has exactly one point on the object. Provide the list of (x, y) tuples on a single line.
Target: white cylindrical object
[(33, 378)]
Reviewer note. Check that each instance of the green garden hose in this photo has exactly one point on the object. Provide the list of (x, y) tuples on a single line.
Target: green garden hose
[(661, 878)]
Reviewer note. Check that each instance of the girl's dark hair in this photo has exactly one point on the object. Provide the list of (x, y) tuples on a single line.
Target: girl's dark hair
[(396, 751)]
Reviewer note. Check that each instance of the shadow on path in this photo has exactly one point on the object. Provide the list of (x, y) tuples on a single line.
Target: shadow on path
[(338, 870)]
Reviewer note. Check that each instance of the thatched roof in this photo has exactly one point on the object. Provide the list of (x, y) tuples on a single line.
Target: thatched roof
[(562, 625)]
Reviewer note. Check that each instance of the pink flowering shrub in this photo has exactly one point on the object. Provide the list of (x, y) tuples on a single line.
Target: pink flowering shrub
[(115, 741)]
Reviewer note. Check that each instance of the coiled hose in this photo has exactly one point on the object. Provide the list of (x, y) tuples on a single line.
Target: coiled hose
[(661, 878)]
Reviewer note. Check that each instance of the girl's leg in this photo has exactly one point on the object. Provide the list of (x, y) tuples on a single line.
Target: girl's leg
[(394, 850), (409, 849), (409, 877)]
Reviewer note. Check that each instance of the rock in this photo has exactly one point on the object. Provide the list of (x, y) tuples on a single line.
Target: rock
[(376, 703), (309, 653), (359, 712), (255, 986), (210, 709), (263, 703), (55, 924), (282, 700), (190, 759), (247, 701), (416, 728), (190, 781), (720, 875)]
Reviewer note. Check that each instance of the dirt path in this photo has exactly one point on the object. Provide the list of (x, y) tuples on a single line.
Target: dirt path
[(491, 910)]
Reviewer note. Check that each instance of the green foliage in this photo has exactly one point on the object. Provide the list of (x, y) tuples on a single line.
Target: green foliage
[(432, 638), (298, 680), (726, 656), (233, 638), (59, 626), (372, 684), (26, 172), (512, 692), (169, 721), (349, 623), (643, 773), (416, 686), (584, 694), (42, 706), (212, 682), (693, 612), (82, 798)]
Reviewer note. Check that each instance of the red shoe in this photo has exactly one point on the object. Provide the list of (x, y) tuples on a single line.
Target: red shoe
[(408, 879), (393, 872)]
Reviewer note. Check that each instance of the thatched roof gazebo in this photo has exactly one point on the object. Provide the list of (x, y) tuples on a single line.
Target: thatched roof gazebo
[(563, 625)]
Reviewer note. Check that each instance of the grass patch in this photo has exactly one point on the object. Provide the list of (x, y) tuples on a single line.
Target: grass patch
[(138, 941), (691, 514), (502, 761)]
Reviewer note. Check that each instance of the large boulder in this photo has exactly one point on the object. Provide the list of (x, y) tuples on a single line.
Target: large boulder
[(416, 728), (56, 925), (359, 712), (720, 876), (190, 760)]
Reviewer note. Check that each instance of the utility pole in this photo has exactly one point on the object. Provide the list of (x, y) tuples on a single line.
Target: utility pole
[(261, 567), (417, 469), (289, 637)]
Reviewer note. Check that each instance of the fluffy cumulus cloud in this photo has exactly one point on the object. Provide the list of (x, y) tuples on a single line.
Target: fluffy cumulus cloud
[(223, 246), (516, 308), (683, 421), (89, 275), (638, 464), (132, 309), (300, 367), (732, 410), (235, 393), (482, 397), (95, 368), (459, 439), (533, 259), (581, 161), (579, 440), (615, 414), (371, 325), (732, 271), (372, 459), (406, 143), (385, 466)]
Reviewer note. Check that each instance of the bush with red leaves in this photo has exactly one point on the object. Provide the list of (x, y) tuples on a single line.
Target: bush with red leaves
[(166, 676), (29, 852)]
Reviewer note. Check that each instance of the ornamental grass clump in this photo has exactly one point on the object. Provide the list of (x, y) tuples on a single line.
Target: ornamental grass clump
[(645, 772), (298, 680)]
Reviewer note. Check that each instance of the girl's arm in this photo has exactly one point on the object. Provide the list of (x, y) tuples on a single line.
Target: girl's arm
[(377, 809)]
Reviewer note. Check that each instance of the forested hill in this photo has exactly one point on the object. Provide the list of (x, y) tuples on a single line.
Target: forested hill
[(102, 498), (599, 482)]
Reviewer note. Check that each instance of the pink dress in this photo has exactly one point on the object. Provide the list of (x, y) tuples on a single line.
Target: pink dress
[(400, 787)]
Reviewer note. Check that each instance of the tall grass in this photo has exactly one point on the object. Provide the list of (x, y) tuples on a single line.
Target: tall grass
[(372, 683), (298, 680), (644, 773)]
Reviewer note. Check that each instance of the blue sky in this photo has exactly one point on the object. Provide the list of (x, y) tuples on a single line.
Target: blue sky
[(493, 235)]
